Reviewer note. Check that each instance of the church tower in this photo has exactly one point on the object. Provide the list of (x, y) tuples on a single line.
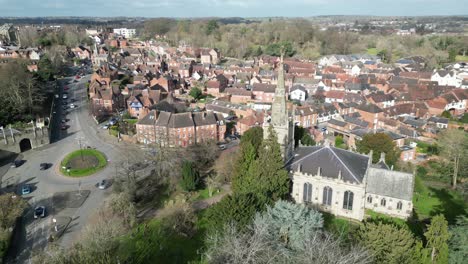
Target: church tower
[(282, 122)]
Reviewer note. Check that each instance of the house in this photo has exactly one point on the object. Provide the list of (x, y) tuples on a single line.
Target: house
[(209, 56), (239, 95), (181, 129), (334, 96), (407, 153), (345, 183), (298, 92), (439, 122), (305, 116), (443, 77), (382, 100), (263, 92), (252, 120), (370, 113)]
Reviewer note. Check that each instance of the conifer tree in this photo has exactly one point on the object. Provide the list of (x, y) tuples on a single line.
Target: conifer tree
[(190, 177), (437, 236)]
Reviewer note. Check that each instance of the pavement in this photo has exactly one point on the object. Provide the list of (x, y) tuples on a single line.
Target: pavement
[(64, 197)]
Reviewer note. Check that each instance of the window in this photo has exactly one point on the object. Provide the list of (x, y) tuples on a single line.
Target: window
[(348, 200), (369, 199), (307, 192), (383, 202), (327, 195), (399, 205)]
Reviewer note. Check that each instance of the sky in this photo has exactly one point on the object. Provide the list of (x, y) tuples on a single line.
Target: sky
[(230, 8)]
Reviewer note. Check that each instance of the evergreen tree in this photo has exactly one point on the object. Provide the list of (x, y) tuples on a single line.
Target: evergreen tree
[(289, 223), (238, 208), (190, 177), (253, 136), (388, 243), (437, 236), (241, 178), (269, 178), (458, 250), (307, 140)]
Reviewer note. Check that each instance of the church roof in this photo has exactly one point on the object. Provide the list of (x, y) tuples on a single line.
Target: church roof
[(390, 183), (331, 161)]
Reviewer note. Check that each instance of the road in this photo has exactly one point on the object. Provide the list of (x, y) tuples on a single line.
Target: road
[(48, 183)]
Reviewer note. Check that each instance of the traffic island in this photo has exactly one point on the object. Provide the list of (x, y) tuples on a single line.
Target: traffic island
[(83, 163)]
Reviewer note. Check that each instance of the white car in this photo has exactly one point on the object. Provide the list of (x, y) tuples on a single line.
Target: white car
[(72, 105), (64, 96)]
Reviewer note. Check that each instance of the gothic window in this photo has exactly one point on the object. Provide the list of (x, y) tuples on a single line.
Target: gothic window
[(383, 202), (348, 200), (399, 205), (327, 195), (307, 192), (369, 199)]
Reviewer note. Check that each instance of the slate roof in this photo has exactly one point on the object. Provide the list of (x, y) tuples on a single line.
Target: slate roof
[(390, 183), (337, 123), (149, 119), (441, 120), (353, 166)]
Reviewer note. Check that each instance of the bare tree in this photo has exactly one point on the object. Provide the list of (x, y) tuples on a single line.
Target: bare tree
[(454, 144)]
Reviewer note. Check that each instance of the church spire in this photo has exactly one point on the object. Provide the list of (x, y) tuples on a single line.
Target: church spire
[(279, 113)]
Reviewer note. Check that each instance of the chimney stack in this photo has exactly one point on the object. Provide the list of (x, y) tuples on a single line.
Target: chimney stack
[(319, 171), (299, 167), (340, 177), (382, 157)]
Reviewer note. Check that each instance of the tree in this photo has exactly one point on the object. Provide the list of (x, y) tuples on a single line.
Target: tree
[(388, 243), (12, 208), (225, 166), (196, 93), (238, 208), (253, 136), (437, 236), (454, 146), (281, 235), (379, 143), (190, 177), (265, 176), (211, 27), (279, 223), (307, 140), (458, 243), (446, 114), (45, 68), (339, 142), (274, 49)]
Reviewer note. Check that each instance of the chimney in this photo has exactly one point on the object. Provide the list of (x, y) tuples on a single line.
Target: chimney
[(370, 157), (340, 177), (319, 171), (299, 167)]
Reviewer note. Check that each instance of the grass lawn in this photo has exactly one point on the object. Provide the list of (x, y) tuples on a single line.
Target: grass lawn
[(81, 172), (372, 51), (429, 201), (339, 226), (461, 58), (157, 243)]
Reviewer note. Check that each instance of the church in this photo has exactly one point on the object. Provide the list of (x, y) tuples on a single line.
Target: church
[(338, 181)]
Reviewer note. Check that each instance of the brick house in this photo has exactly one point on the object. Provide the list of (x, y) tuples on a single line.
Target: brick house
[(253, 120), (263, 92), (181, 129), (239, 95), (370, 113)]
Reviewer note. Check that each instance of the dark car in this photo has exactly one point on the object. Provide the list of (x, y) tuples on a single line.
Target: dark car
[(44, 166), (40, 211), (16, 163), (64, 127)]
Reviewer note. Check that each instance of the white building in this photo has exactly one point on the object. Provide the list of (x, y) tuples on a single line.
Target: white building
[(449, 78), (345, 183), (126, 32), (298, 92)]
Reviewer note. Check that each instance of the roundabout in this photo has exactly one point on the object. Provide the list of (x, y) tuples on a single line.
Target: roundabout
[(84, 162)]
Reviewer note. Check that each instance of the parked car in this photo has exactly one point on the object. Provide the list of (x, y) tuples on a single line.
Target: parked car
[(72, 106), (105, 127), (16, 163), (64, 120), (64, 127), (39, 211), (223, 147), (102, 185), (44, 166), (66, 88), (65, 96), (26, 189), (112, 121)]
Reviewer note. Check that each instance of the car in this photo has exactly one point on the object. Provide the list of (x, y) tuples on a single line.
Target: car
[(102, 185), (39, 212), (223, 147), (112, 121), (105, 127), (64, 103), (26, 189), (66, 88), (64, 107), (72, 105), (16, 163), (232, 137), (64, 127), (56, 96), (64, 96), (44, 166), (64, 120), (73, 100), (78, 77)]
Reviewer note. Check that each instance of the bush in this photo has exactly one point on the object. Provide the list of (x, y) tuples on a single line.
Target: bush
[(190, 177)]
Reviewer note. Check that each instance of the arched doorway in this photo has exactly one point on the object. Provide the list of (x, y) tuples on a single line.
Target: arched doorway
[(25, 144)]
